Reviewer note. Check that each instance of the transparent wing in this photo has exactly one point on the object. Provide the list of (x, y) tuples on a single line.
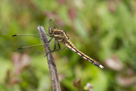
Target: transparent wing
[(53, 24), (32, 44), (23, 44), (25, 40)]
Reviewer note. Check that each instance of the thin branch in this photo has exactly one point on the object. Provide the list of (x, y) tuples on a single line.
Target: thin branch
[(51, 63)]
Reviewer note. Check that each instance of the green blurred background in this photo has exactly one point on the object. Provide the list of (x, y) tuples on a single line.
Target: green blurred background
[(103, 29)]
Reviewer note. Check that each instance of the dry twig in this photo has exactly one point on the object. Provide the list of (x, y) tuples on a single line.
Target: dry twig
[(50, 59)]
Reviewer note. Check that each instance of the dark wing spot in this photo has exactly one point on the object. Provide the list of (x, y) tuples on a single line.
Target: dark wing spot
[(14, 35)]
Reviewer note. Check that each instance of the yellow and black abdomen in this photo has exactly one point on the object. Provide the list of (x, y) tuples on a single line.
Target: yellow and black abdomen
[(70, 45)]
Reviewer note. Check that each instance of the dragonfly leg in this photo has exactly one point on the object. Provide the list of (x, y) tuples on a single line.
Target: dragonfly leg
[(59, 47), (48, 53), (49, 35), (50, 40), (54, 47)]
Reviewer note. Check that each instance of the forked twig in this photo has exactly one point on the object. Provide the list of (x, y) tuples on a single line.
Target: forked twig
[(50, 59)]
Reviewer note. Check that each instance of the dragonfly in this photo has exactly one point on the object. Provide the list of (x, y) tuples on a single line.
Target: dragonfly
[(55, 31), (61, 37)]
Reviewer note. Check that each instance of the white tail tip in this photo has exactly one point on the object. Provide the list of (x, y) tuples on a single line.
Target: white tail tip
[(101, 66)]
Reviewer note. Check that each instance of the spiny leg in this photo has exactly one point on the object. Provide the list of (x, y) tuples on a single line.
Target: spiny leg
[(58, 46), (50, 40), (53, 49)]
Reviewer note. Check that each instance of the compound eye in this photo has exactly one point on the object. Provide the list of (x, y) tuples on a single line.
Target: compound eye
[(50, 30), (53, 28)]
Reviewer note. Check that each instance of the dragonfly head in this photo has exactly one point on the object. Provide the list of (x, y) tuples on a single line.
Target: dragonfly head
[(51, 29)]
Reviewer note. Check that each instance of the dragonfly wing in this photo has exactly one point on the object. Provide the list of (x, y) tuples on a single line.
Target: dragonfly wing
[(53, 24)]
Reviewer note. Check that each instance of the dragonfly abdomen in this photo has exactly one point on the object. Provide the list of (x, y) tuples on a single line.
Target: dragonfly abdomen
[(70, 45)]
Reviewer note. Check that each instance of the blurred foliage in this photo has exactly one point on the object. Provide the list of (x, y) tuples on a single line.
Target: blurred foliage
[(103, 29)]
